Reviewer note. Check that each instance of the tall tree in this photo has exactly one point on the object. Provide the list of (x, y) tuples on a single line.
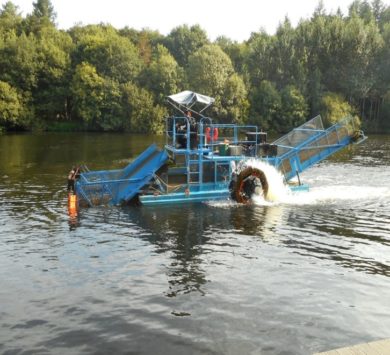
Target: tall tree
[(113, 56), (10, 18), (164, 76), (259, 58), (44, 9), (141, 114), (266, 105), (334, 108), (87, 89), (12, 110), (208, 70), (183, 41), (236, 51), (235, 100), (43, 15), (19, 61), (51, 95), (294, 110)]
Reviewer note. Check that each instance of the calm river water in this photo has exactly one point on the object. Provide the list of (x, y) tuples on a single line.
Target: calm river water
[(306, 274)]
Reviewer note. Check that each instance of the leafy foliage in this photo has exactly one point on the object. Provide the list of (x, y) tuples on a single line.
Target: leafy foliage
[(184, 41), (141, 114), (334, 107), (11, 105), (112, 55), (97, 77), (163, 76), (266, 105)]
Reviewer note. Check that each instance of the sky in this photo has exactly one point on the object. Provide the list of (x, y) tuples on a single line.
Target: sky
[(235, 19)]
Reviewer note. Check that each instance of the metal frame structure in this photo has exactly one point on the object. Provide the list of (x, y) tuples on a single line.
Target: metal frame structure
[(200, 167)]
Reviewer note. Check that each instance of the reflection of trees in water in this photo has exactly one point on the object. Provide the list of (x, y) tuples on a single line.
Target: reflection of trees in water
[(260, 221), (178, 231), (187, 235), (183, 231), (331, 234)]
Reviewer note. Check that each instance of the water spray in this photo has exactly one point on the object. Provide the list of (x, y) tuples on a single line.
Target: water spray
[(254, 179)]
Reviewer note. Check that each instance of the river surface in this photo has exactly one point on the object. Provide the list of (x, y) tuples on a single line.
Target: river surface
[(305, 274)]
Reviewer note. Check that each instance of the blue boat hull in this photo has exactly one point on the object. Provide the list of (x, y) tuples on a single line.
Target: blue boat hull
[(199, 196)]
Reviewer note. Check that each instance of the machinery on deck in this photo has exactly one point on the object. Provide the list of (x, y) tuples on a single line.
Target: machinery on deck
[(203, 160)]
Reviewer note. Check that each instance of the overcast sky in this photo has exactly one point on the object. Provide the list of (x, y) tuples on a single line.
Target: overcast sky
[(235, 19)]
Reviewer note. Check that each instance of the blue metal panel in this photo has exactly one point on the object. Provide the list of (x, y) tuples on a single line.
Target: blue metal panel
[(116, 186), (336, 137), (298, 150), (182, 197), (221, 193)]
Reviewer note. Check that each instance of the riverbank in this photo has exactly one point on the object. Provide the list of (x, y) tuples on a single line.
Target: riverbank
[(77, 126)]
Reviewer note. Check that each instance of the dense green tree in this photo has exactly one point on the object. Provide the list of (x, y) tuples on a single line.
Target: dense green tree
[(384, 118), (283, 68), (43, 15), (294, 110), (334, 108), (236, 51), (44, 9), (164, 76), (19, 68), (51, 95), (266, 105), (111, 109), (10, 18), (99, 76), (361, 43), (113, 56), (362, 9), (183, 41), (88, 93), (208, 69), (12, 109), (259, 59), (141, 115), (145, 47), (97, 100), (155, 37), (19, 61), (377, 9), (235, 101)]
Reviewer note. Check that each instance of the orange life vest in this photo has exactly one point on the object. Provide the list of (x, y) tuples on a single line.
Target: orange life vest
[(208, 134)]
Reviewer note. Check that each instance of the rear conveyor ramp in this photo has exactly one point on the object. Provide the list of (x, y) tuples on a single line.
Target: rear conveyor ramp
[(310, 143), (119, 186)]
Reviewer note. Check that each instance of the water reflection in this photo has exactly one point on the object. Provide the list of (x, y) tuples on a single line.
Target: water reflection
[(134, 273), (188, 232), (259, 221), (179, 231), (74, 220)]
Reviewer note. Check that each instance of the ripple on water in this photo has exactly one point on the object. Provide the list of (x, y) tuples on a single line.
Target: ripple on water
[(289, 276)]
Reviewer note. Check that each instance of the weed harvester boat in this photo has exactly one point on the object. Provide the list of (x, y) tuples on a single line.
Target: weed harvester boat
[(203, 160)]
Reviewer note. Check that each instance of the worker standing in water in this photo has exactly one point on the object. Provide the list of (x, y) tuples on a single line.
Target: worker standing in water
[(72, 176)]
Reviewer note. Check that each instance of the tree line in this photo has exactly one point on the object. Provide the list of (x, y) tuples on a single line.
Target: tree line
[(97, 77)]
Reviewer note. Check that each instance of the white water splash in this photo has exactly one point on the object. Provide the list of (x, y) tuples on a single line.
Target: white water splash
[(325, 187), (280, 193), (333, 194), (277, 190)]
